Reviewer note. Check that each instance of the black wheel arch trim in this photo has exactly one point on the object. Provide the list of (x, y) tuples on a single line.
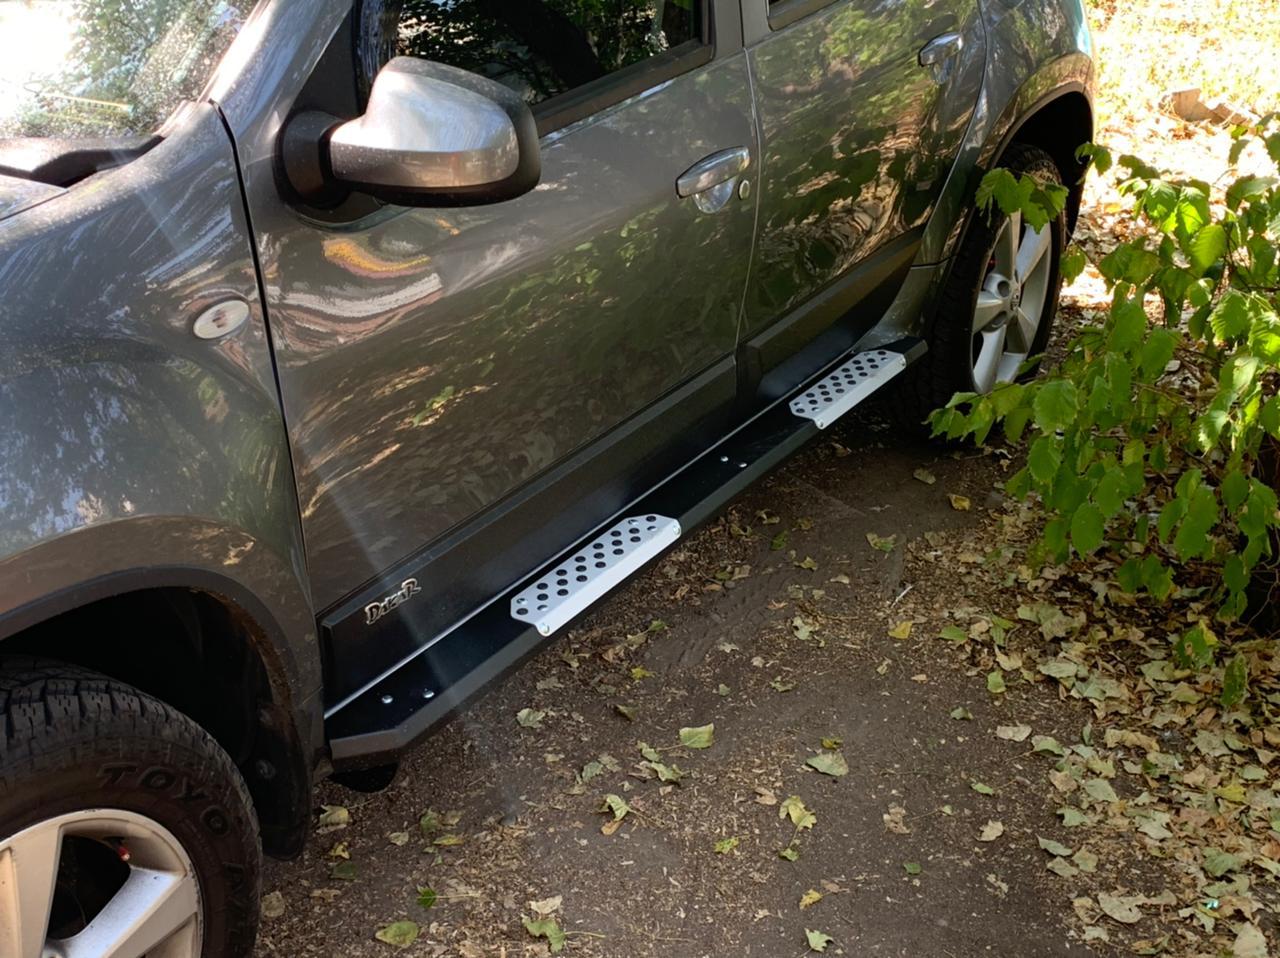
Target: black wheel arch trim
[(299, 746)]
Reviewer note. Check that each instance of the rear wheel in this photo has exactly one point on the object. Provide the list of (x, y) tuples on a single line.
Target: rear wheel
[(997, 306), (125, 830)]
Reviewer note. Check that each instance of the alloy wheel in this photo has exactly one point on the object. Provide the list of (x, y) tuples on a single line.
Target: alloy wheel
[(1012, 303), (99, 883)]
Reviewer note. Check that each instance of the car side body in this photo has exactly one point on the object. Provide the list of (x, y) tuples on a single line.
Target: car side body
[(212, 520)]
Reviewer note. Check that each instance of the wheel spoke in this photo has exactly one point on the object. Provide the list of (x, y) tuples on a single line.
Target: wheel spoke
[(28, 875), (987, 362), (1022, 332), (148, 909), (1032, 251), (988, 308), (1006, 252)]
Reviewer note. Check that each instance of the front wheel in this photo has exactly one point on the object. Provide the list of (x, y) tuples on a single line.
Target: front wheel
[(125, 830), (997, 305)]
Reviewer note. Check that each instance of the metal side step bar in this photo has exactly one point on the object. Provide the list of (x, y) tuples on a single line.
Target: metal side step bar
[(577, 581), (847, 385), (374, 726)]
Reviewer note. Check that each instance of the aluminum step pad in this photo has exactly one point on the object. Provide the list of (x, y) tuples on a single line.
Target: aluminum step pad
[(849, 384), (562, 591)]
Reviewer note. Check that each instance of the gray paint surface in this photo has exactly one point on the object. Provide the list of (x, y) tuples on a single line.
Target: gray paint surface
[(127, 443), (858, 138), (432, 361)]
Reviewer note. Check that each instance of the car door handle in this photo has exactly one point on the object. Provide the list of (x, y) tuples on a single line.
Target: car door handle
[(713, 170), (939, 55)]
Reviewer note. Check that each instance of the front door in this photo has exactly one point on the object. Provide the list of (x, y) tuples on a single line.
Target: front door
[(435, 361), (863, 105)]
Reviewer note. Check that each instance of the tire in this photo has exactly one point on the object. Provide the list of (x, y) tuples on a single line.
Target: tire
[(74, 745), (949, 365)]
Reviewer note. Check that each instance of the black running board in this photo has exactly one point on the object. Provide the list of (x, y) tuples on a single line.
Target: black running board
[(388, 716)]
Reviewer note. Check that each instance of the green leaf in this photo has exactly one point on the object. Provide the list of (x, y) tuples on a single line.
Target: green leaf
[(1100, 790), (912, 868), (1055, 405), (1156, 353), (1073, 263), (829, 763), (402, 934), (1054, 848), (1044, 459), (698, 737), (793, 808), (882, 543), (1048, 744), (1194, 648), (1010, 193), (816, 940), (530, 718), (1207, 247), (1087, 529), (1217, 862), (1235, 681), (1073, 817), (995, 682), (1128, 324), (427, 897), (1230, 318), (1192, 539), (549, 929), (953, 633), (726, 845), (1249, 188), (617, 805)]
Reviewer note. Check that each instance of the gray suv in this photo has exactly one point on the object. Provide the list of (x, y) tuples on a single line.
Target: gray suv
[(351, 348)]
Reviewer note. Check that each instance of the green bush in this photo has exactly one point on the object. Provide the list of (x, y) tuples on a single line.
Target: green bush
[(1144, 445)]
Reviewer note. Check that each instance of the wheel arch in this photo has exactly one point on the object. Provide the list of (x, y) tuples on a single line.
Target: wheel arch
[(1059, 122), (200, 640)]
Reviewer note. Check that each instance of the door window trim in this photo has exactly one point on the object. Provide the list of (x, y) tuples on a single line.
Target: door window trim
[(559, 111), (789, 11)]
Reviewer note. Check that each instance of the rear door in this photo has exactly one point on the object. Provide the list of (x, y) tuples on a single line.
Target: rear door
[(863, 105), (439, 365)]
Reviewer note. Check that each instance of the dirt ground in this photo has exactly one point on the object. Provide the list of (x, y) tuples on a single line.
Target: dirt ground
[(777, 621)]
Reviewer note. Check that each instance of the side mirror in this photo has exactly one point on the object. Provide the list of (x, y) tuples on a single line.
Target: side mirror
[(431, 135)]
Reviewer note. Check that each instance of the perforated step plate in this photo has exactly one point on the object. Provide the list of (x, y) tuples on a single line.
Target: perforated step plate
[(849, 384), (565, 589)]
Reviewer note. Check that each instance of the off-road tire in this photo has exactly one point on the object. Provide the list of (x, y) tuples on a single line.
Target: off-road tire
[(72, 739)]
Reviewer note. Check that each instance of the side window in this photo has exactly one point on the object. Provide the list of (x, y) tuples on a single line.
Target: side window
[(107, 68), (540, 48)]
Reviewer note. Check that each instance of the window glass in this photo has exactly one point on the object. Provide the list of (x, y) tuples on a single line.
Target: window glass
[(107, 67), (538, 47)]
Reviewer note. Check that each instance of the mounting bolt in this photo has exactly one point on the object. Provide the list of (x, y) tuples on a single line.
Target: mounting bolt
[(428, 694), (387, 699)]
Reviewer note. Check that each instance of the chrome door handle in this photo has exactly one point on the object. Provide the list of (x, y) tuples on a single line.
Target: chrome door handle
[(711, 171), (940, 53)]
